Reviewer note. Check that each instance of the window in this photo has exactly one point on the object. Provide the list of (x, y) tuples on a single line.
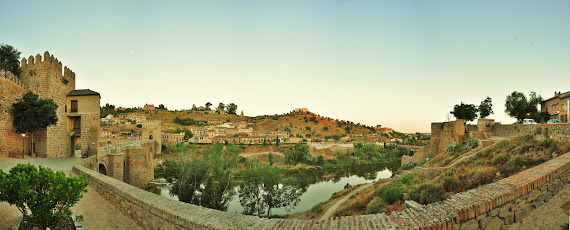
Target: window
[(74, 106), (76, 124)]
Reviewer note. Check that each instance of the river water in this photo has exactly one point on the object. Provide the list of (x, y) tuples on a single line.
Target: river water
[(319, 185)]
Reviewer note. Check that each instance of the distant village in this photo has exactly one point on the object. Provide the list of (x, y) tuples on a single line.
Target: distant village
[(209, 131)]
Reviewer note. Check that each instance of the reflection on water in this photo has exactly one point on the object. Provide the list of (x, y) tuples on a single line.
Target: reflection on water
[(319, 185)]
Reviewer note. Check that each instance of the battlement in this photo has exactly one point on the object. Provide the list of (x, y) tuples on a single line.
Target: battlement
[(7, 75), (151, 123), (48, 62)]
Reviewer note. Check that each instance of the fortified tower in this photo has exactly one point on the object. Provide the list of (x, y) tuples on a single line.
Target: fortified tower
[(47, 78)]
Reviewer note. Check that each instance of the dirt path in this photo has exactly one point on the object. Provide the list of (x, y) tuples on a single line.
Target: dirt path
[(548, 216), (333, 208), (248, 155)]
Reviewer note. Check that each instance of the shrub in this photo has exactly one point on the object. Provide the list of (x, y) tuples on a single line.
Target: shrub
[(500, 159), (486, 153), (426, 193), (525, 138), (46, 195), (503, 144), (513, 165), (547, 144), (376, 205), (479, 178), (391, 193), (479, 162), (315, 210), (450, 184), (409, 179), (409, 165)]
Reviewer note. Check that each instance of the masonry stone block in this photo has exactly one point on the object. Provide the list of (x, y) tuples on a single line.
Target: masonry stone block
[(495, 224), (470, 225), (533, 195), (510, 218), (514, 207), (485, 221), (523, 212)]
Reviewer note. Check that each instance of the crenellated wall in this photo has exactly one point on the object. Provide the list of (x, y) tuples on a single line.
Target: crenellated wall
[(11, 89)]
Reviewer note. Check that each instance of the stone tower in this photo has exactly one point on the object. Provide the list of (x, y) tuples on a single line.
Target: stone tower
[(152, 131)]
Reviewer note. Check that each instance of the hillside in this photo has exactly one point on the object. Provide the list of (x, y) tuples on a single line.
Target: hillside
[(303, 125)]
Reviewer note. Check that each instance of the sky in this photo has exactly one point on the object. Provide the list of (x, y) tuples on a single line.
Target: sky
[(400, 64)]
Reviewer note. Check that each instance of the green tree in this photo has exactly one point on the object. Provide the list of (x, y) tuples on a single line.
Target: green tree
[(486, 108), (139, 126), (32, 113), (203, 178), (232, 108), (270, 158), (161, 106), (194, 107), (208, 104), (467, 112), (518, 106), (106, 110), (264, 188), (10, 59), (221, 107), (46, 196)]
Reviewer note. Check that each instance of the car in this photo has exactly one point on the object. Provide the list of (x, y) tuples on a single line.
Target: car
[(529, 121), (554, 121)]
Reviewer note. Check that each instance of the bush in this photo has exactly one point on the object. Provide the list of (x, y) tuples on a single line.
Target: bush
[(486, 153), (450, 184), (479, 178), (547, 144), (525, 138), (375, 206), (409, 165), (409, 179), (479, 162), (513, 165), (500, 159), (391, 193), (46, 195), (426, 193)]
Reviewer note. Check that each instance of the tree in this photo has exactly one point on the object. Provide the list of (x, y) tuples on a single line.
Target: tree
[(264, 187), (270, 158), (208, 104), (161, 106), (42, 196), (486, 108), (221, 107), (203, 178), (32, 113), (10, 59), (194, 107), (232, 108), (242, 113), (106, 110), (518, 106), (467, 112)]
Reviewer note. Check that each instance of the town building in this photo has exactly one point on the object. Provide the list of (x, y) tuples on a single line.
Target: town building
[(149, 107), (557, 106)]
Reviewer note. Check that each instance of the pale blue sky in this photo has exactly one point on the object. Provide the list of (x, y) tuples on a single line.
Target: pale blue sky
[(401, 64)]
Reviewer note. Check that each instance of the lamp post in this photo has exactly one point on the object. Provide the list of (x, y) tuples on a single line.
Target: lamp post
[(23, 136)]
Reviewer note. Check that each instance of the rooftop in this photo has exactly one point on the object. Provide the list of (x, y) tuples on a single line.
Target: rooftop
[(82, 92)]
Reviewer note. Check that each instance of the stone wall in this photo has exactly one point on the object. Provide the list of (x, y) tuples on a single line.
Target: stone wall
[(48, 79), (11, 89), (493, 205), (442, 135), (131, 162), (555, 131)]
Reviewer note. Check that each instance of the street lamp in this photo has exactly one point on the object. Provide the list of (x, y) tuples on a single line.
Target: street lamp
[(23, 136)]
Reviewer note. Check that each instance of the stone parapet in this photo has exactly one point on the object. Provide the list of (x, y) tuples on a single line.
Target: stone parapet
[(554, 131)]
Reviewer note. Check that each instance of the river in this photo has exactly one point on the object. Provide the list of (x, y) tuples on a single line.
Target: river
[(319, 185)]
